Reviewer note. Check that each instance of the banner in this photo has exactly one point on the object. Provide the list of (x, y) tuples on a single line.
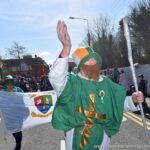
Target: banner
[(20, 111)]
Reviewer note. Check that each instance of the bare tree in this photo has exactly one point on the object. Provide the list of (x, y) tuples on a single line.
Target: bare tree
[(102, 39), (16, 51)]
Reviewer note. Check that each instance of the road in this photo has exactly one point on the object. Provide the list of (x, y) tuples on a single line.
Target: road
[(37, 138), (130, 137)]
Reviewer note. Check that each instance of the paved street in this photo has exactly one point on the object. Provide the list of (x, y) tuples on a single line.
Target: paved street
[(130, 137), (37, 138)]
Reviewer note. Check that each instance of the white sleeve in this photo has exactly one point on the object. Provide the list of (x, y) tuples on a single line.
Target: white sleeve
[(129, 105), (58, 74)]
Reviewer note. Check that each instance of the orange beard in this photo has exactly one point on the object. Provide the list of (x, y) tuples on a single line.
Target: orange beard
[(92, 72)]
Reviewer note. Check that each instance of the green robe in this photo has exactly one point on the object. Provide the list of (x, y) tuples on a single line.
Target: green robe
[(109, 101)]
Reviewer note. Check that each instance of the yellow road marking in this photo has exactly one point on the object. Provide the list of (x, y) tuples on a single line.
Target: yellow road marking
[(148, 123), (138, 122)]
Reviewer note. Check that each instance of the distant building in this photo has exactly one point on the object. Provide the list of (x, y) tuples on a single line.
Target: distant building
[(27, 66)]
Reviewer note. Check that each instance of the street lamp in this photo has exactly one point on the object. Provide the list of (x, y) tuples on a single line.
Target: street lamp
[(88, 34)]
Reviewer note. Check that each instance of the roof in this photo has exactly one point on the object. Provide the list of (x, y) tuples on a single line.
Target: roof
[(29, 61)]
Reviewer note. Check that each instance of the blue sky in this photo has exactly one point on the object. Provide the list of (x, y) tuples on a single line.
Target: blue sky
[(32, 23)]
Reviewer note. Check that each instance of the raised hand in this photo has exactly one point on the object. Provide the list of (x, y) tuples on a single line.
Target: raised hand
[(64, 38)]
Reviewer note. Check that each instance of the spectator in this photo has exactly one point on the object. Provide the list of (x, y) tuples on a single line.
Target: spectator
[(45, 84), (123, 80), (116, 75), (142, 85)]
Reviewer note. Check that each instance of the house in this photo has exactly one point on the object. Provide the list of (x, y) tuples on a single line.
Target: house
[(27, 66)]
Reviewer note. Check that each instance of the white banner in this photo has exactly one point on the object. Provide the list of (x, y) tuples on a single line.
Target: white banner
[(20, 111)]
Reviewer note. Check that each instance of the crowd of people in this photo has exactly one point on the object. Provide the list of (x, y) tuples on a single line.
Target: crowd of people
[(120, 77), (32, 84)]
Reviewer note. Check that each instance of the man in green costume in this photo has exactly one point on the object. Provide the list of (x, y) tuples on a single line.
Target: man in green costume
[(90, 107)]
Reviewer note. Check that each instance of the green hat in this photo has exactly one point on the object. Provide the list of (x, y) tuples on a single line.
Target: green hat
[(8, 78), (83, 54)]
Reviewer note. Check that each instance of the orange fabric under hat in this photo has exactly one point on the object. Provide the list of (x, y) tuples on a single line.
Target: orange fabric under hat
[(81, 53)]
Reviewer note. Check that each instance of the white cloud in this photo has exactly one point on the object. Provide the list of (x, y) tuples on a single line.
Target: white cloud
[(46, 56), (33, 22), (49, 61), (44, 53), (39, 14)]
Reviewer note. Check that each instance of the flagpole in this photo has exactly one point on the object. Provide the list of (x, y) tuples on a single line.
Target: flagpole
[(127, 36)]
